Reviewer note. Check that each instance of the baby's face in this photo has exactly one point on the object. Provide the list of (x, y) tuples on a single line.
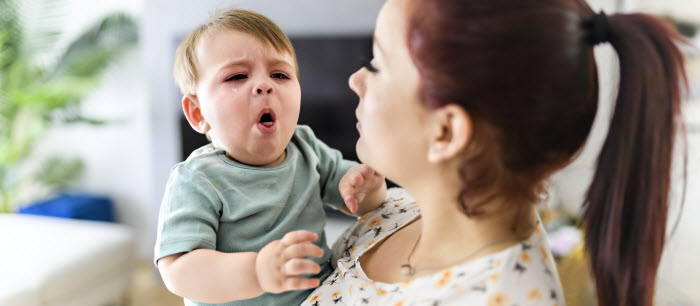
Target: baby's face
[(249, 95)]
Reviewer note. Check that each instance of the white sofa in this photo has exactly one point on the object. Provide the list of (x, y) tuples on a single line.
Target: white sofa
[(46, 261)]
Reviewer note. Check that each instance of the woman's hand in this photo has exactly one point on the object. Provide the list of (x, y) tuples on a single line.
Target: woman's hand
[(280, 263), (362, 189)]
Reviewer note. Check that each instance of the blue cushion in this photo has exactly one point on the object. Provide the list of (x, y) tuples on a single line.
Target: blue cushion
[(74, 206)]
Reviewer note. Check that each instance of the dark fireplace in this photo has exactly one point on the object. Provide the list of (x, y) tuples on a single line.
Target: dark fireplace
[(327, 103)]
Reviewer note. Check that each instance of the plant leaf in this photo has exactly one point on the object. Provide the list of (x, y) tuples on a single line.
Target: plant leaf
[(10, 33), (58, 93), (97, 44), (20, 74), (38, 20), (59, 172)]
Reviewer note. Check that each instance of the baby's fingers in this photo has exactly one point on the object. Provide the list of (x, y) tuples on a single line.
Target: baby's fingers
[(366, 171), (347, 191), (300, 283), (351, 203), (376, 178), (299, 266), (301, 250), (357, 179), (300, 236)]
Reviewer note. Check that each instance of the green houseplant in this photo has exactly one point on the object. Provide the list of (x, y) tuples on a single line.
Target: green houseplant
[(41, 85)]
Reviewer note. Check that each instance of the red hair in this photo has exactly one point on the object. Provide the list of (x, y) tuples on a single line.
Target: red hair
[(525, 72)]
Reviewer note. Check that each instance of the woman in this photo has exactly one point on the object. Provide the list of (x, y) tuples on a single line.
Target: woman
[(471, 106)]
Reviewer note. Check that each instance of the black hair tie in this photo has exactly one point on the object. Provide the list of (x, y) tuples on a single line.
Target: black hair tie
[(600, 29)]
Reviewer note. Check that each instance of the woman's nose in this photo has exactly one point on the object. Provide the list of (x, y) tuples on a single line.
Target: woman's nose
[(356, 84)]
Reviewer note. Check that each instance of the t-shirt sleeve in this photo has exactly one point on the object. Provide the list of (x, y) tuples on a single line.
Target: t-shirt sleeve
[(331, 167), (189, 214)]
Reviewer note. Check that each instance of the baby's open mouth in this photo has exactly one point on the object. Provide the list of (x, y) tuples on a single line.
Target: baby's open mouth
[(267, 118)]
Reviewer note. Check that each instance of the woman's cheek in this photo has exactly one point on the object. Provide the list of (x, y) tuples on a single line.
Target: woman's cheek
[(370, 105)]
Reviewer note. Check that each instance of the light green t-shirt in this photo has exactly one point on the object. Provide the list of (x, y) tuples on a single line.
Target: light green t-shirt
[(213, 202)]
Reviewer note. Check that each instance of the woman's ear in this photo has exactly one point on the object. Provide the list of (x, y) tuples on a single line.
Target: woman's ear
[(453, 130), (193, 113)]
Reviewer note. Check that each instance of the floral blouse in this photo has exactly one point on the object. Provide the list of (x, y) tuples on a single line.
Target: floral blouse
[(522, 275)]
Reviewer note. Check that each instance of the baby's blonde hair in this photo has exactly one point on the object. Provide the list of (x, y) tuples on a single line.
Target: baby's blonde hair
[(259, 26)]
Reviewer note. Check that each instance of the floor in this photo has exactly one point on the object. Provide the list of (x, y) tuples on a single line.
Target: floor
[(148, 290)]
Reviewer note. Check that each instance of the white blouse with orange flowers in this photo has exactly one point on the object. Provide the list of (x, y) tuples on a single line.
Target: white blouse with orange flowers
[(522, 275)]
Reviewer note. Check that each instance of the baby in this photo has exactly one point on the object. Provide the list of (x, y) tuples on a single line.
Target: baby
[(242, 219)]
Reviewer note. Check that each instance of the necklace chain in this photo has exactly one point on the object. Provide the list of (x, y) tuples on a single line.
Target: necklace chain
[(408, 270)]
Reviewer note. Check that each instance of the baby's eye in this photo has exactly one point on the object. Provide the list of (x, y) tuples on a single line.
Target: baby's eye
[(236, 77), (279, 76)]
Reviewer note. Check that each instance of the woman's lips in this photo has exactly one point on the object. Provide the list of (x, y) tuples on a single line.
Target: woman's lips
[(359, 126)]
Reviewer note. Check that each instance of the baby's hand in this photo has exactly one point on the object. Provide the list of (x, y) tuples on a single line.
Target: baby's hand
[(357, 183), (280, 262)]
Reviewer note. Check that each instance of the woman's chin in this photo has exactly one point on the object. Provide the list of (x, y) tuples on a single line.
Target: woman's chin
[(363, 156), (359, 150)]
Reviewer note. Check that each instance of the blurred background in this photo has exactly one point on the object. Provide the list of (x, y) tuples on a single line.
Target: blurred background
[(92, 124)]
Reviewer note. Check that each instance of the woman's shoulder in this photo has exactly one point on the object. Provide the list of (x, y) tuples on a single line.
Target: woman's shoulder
[(524, 274), (398, 206), (398, 209)]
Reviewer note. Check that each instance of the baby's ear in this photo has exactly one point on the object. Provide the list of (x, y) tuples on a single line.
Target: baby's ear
[(193, 113)]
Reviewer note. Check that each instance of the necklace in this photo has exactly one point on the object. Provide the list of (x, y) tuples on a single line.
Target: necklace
[(408, 270)]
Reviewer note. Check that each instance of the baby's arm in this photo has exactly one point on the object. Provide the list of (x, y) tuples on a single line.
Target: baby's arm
[(215, 277), (362, 189), (210, 276)]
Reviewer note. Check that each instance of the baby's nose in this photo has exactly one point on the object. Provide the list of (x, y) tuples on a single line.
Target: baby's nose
[(263, 89)]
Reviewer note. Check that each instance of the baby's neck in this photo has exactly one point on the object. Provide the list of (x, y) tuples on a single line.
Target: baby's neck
[(276, 162)]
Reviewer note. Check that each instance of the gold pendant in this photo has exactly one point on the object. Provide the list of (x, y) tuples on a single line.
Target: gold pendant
[(407, 270)]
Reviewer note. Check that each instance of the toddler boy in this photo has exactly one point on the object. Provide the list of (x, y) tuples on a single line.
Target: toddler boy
[(242, 220)]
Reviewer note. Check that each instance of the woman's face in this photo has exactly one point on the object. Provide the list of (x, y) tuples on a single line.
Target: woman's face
[(391, 117)]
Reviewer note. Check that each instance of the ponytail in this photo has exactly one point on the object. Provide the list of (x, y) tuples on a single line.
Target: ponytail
[(626, 206)]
